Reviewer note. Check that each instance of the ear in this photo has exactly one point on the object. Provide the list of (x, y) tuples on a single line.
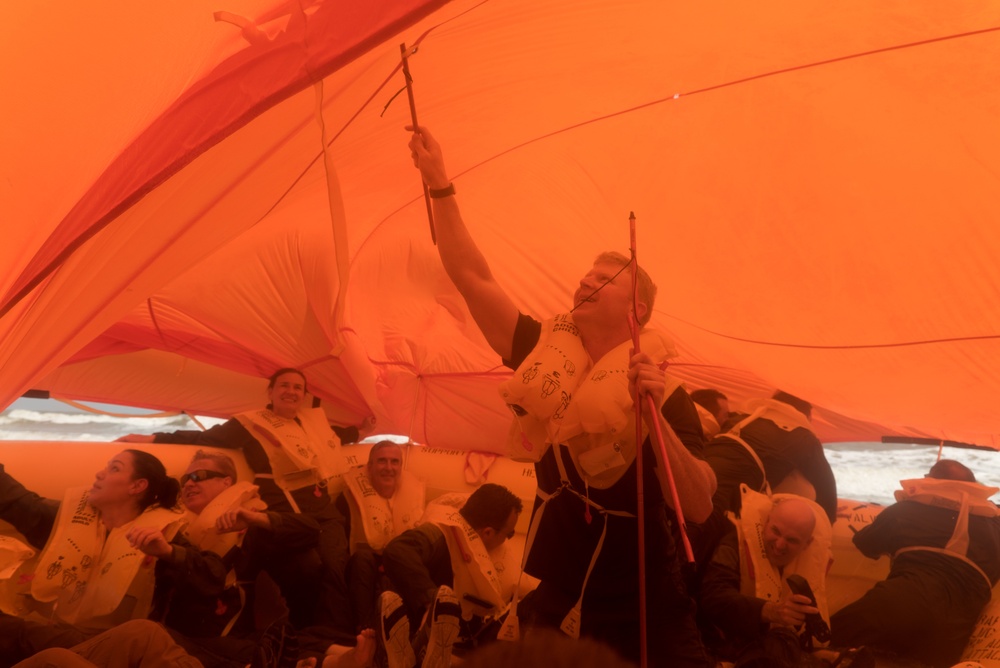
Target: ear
[(640, 311), (139, 486), (486, 533)]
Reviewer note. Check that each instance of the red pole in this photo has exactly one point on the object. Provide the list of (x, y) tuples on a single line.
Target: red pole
[(639, 486)]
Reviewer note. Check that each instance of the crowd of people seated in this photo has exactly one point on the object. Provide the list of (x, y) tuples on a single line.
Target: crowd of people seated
[(723, 562), (143, 569)]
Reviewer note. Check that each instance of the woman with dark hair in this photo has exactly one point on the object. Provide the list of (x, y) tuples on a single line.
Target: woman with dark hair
[(89, 574), (293, 453)]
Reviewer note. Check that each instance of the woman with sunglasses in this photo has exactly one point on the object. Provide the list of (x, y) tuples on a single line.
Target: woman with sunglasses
[(89, 575), (293, 453)]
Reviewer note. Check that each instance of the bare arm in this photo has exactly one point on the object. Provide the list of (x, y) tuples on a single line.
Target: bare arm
[(489, 304), (693, 477)]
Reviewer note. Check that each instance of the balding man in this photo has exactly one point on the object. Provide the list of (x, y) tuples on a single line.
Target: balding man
[(382, 501), (944, 538), (744, 594)]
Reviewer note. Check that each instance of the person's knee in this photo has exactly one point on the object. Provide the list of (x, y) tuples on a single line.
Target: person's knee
[(138, 635), (55, 657)]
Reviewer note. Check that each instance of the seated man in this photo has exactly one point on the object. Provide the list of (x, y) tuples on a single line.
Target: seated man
[(382, 501), (944, 537), (460, 548), (774, 446), (744, 593), (227, 530)]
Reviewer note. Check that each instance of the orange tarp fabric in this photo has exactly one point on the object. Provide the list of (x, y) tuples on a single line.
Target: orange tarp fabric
[(816, 188)]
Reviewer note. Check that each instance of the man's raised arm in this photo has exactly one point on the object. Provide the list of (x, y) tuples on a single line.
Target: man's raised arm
[(491, 307)]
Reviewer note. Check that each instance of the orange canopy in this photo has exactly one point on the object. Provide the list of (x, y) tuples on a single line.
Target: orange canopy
[(817, 189)]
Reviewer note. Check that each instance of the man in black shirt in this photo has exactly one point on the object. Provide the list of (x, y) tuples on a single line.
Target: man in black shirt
[(571, 396)]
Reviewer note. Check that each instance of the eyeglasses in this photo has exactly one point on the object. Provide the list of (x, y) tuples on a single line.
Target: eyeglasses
[(200, 475)]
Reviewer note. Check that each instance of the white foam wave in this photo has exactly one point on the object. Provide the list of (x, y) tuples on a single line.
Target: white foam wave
[(41, 417)]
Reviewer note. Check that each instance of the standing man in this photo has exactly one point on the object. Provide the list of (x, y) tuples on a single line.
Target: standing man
[(571, 395)]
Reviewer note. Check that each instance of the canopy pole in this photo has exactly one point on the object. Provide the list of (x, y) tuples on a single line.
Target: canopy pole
[(656, 432), (413, 119), (639, 486)]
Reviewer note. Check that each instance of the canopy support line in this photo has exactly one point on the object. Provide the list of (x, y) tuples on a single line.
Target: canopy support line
[(405, 54)]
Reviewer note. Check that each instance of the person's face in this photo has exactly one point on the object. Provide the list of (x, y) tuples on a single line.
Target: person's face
[(198, 489), (784, 539), (493, 538), (384, 469), (723, 412), (113, 485), (287, 394), (612, 303)]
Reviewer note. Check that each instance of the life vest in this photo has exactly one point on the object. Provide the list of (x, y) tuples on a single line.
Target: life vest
[(484, 581), (709, 425), (786, 418), (301, 453), (376, 520), (87, 573), (559, 395), (965, 497), (561, 398), (758, 577), (13, 553), (200, 528)]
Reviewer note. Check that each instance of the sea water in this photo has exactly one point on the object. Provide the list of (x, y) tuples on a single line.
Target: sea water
[(864, 471)]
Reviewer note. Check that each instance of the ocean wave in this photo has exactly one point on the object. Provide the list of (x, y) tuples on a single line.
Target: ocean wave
[(21, 415)]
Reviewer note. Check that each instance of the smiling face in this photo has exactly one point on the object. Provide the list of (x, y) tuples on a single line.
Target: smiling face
[(196, 494), (114, 484), (287, 394), (612, 303), (384, 467), (788, 531)]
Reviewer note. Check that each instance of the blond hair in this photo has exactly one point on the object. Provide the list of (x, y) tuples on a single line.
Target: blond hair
[(645, 287)]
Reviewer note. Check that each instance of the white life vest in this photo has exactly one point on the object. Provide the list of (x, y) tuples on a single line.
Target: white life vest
[(302, 453), (200, 529), (87, 573), (709, 425), (761, 579), (376, 520), (559, 395)]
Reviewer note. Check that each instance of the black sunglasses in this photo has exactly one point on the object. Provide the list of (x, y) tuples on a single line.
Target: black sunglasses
[(201, 474)]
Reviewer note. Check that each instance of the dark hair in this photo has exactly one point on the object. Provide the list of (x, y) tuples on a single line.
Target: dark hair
[(801, 405), (709, 399), (160, 488), (273, 378), (949, 469), (490, 506), (225, 463)]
